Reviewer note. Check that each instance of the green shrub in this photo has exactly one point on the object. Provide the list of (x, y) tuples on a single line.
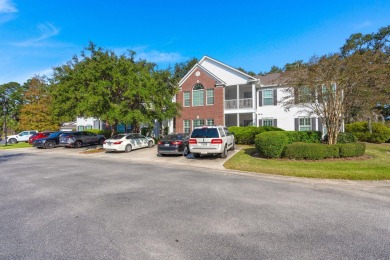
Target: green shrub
[(271, 144), (343, 138), (352, 150), (308, 151), (380, 133), (106, 133), (314, 151), (332, 151), (303, 136), (247, 134)]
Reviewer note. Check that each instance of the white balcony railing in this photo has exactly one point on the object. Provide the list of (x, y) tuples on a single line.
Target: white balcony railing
[(242, 103)]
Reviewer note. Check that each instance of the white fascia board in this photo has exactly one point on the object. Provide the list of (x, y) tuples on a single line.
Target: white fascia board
[(197, 65), (250, 78)]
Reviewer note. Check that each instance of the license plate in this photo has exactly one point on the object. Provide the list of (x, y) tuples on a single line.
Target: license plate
[(166, 144)]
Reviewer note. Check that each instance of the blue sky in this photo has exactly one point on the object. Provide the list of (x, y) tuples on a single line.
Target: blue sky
[(38, 35)]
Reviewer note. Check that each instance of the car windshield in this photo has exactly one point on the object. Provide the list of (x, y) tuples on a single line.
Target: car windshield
[(118, 136), (205, 133), (55, 134)]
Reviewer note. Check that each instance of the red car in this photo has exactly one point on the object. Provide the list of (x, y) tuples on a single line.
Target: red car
[(37, 136)]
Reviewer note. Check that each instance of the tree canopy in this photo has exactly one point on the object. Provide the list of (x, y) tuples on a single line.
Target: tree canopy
[(113, 88), (12, 93), (35, 112), (338, 85)]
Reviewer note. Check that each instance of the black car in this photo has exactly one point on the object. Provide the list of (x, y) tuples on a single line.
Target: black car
[(49, 142), (173, 144)]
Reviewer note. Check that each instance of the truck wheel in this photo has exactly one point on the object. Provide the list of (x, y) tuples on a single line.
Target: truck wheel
[(12, 141), (233, 147), (224, 153)]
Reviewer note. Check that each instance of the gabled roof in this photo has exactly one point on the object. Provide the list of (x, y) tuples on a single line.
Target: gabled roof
[(224, 74), (218, 81), (273, 79)]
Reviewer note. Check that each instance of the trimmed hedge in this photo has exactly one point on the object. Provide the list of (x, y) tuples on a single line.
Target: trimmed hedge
[(343, 138), (247, 134), (314, 151), (106, 133), (380, 133), (307, 151), (303, 136), (271, 144), (352, 150)]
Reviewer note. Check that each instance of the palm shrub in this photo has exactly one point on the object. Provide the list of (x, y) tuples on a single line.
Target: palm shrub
[(271, 144)]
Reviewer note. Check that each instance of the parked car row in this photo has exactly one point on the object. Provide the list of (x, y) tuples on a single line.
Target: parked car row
[(215, 140)]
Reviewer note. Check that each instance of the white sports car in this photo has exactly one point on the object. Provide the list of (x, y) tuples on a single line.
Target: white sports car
[(127, 142)]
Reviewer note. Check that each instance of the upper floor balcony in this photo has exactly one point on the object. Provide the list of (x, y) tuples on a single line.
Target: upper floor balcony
[(240, 103)]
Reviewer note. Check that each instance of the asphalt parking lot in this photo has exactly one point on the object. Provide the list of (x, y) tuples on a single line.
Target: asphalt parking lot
[(145, 155)]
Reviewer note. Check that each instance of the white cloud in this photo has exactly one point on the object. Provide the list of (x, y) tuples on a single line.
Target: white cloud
[(160, 57), (154, 56), (45, 31), (7, 6), (363, 24)]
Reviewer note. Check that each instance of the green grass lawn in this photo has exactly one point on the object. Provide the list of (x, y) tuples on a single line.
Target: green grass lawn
[(374, 166), (12, 146)]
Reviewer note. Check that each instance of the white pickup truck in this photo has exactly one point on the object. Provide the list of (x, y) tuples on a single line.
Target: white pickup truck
[(211, 140), (21, 137)]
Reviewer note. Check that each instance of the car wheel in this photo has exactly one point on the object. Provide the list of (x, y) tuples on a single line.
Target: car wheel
[(185, 152), (224, 153), (12, 141), (233, 147), (196, 155), (150, 144), (78, 144), (49, 145), (128, 148), (101, 141)]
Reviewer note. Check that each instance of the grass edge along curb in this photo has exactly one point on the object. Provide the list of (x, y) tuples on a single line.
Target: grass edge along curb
[(374, 166)]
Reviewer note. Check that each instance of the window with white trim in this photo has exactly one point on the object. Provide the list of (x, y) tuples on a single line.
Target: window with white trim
[(186, 99), (304, 124), (210, 96), (80, 128), (268, 97), (187, 126), (268, 122), (210, 121), (198, 95), (198, 122)]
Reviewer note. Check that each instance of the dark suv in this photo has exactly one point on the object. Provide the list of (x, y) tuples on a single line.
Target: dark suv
[(80, 138)]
